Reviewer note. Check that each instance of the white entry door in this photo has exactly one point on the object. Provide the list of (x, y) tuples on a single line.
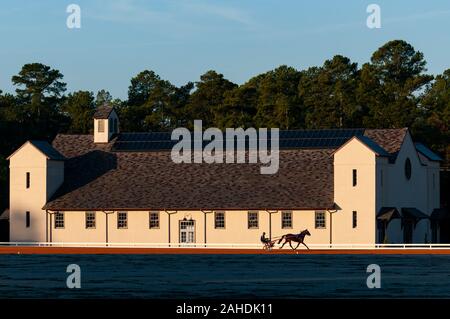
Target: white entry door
[(187, 231)]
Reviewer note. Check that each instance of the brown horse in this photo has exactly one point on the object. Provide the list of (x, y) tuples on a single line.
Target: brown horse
[(298, 238)]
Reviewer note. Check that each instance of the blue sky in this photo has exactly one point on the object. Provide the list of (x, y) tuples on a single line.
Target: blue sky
[(180, 40)]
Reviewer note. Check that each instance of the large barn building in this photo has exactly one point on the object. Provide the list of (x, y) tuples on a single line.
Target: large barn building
[(345, 186)]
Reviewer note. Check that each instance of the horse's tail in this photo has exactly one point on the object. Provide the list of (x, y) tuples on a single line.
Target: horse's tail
[(282, 237)]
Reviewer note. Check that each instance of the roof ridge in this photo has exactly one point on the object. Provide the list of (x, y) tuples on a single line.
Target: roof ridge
[(287, 130), (72, 134)]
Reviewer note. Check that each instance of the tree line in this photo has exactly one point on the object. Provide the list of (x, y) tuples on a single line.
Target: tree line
[(393, 90)]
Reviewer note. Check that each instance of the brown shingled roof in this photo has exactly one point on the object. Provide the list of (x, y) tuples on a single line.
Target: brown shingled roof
[(389, 139), (99, 179), (102, 112)]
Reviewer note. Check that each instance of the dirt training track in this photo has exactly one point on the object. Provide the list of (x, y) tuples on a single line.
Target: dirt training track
[(29, 250)]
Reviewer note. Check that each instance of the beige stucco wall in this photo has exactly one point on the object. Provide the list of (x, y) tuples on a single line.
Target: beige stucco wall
[(361, 198), (45, 178), (75, 228), (236, 225), (138, 230)]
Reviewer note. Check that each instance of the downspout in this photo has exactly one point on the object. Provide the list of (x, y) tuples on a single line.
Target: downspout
[(50, 239), (168, 214), (270, 212), (331, 229), (107, 226), (46, 225), (51, 229), (49, 223), (331, 225), (205, 212)]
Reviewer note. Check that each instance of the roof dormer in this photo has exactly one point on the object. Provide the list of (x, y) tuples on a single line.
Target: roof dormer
[(106, 124)]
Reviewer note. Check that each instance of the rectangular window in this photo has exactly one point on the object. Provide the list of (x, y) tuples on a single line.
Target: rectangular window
[(28, 181), (153, 220), (59, 220), (219, 220), (320, 219), (252, 220), (101, 126), (27, 219), (355, 177), (286, 220), (90, 220), (122, 220), (355, 219)]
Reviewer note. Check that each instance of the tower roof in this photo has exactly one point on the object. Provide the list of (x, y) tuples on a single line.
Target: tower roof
[(103, 112), (45, 148)]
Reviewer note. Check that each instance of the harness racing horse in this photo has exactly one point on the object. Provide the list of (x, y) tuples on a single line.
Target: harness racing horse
[(298, 238)]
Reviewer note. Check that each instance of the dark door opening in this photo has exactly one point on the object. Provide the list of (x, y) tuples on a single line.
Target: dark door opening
[(381, 227), (444, 231), (408, 231)]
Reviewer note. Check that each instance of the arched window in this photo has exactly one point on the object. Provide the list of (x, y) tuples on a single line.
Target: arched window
[(408, 169)]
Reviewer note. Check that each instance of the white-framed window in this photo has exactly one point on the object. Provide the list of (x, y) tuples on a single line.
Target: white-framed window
[(219, 220), (101, 126), (153, 220), (59, 220), (286, 219), (253, 220), (320, 221), (187, 231), (122, 220), (355, 219), (90, 220)]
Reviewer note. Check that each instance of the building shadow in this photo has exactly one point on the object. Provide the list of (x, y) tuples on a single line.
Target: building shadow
[(84, 169)]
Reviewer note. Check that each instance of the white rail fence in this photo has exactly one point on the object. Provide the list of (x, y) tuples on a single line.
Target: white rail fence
[(219, 245)]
